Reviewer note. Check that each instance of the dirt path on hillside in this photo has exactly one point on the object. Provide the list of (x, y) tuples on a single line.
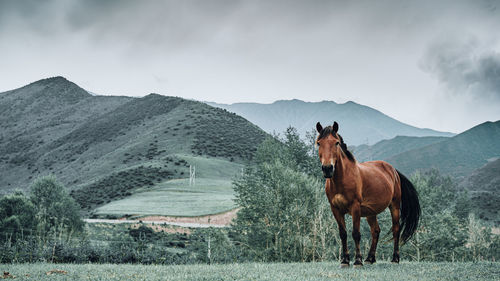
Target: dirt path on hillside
[(217, 220), (222, 219)]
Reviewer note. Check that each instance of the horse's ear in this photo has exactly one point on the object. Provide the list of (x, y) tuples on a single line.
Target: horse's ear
[(319, 127), (335, 127)]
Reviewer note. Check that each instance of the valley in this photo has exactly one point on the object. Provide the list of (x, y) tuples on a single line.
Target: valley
[(122, 156)]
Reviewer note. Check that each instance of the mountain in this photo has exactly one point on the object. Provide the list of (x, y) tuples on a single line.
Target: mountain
[(359, 124), (457, 156), (484, 186), (385, 149), (103, 148)]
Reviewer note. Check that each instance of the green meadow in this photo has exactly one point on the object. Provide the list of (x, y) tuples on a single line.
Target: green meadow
[(212, 193), (176, 198)]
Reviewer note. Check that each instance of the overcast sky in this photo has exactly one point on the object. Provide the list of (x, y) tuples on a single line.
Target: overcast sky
[(433, 64)]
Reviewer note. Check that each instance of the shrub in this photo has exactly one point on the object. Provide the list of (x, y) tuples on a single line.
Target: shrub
[(17, 216)]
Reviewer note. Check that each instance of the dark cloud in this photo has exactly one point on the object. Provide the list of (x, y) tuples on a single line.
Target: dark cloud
[(180, 24), (465, 67), (242, 24), (166, 23), (27, 16)]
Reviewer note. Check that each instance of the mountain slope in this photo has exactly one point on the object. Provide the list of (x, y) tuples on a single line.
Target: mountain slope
[(50, 106), (106, 148), (483, 185), (387, 148), (457, 156), (359, 124)]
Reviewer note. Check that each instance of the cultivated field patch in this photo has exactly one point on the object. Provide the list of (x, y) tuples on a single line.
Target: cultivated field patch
[(176, 198)]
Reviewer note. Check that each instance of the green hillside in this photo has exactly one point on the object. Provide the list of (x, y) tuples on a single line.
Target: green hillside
[(107, 148), (483, 185), (359, 124), (212, 192), (387, 148), (457, 156)]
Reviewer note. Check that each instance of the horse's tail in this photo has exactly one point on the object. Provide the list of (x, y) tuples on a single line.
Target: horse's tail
[(410, 208)]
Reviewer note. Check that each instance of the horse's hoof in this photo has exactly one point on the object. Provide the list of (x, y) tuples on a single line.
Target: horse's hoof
[(359, 265), (370, 260), (344, 265), (395, 262)]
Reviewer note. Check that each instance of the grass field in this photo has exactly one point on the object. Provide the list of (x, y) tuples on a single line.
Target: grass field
[(212, 193), (257, 271), (176, 198)]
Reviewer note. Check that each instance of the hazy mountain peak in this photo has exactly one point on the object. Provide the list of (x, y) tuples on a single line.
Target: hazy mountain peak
[(359, 124), (350, 102), (293, 101)]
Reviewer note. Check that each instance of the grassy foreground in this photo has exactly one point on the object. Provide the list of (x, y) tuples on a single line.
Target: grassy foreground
[(257, 271)]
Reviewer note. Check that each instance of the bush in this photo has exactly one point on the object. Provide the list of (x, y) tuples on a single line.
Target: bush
[(213, 245), (17, 216)]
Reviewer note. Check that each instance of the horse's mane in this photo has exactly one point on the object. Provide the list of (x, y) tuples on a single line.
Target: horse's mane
[(329, 130)]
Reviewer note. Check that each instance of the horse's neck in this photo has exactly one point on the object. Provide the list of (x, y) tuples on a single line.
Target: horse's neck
[(342, 168)]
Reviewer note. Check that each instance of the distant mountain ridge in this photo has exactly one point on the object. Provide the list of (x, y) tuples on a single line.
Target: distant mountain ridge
[(457, 156), (385, 149), (359, 124), (95, 143)]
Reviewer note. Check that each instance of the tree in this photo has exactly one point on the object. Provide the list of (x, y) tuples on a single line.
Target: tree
[(284, 213), (442, 232), (17, 216), (56, 211)]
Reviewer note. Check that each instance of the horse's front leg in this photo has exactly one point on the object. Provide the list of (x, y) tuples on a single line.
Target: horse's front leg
[(356, 234), (344, 262)]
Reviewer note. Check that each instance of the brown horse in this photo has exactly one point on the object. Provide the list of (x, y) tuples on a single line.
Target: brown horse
[(365, 190)]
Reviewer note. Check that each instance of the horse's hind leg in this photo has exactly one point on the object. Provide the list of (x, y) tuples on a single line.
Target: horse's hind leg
[(356, 234), (395, 213), (375, 231)]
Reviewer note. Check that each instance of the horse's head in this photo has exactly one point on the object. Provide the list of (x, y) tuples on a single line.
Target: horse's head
[(328, 142)]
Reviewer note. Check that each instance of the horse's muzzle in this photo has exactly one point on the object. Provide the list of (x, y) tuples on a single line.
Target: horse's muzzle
[(327, 171)]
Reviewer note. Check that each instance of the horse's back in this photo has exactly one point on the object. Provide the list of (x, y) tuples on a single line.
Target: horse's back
[(378, 167), (379, 186)]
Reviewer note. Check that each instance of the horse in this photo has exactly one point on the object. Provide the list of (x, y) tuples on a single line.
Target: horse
[(365, 190)]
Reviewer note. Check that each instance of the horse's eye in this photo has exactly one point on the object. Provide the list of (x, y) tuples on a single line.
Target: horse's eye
[(337, 143)]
